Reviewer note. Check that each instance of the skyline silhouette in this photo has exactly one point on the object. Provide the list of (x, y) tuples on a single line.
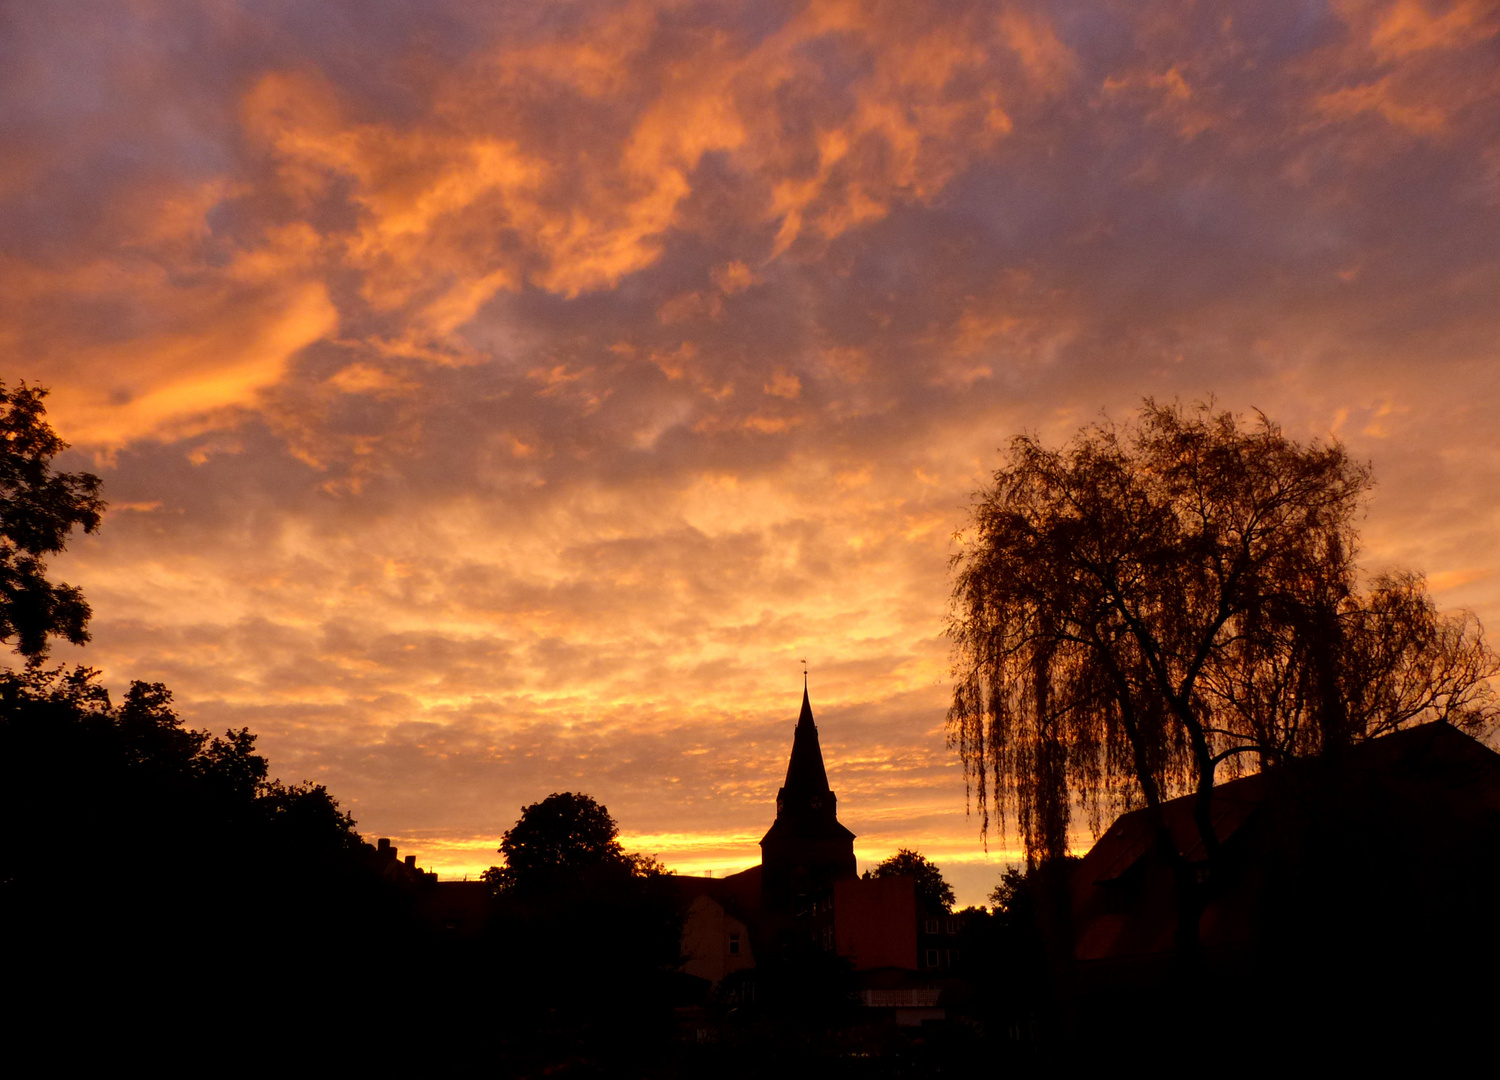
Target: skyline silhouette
[(206, 872), (493, 402)]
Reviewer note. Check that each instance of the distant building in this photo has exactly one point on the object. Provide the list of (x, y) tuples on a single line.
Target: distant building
[(456, 908), (807, 895), (871, 920), (804, 895), (806, 851), (383, 857), (715, 942)]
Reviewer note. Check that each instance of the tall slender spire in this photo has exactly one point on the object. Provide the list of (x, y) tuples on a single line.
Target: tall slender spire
[(806, 778)]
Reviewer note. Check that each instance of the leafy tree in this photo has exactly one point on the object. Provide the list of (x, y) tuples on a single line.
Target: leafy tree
[(597, 929), (1168, 596), (934, 894), (39, 508), (142, 852), (561, 840), (183, 835), (563, 861), (1009, 946), (1011, 895)]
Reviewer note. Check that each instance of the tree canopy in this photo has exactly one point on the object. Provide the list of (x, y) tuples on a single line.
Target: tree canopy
[(39, 508), (1179, 593), (152, 853), (171, 818), (934, 894), (566, 886), (563, 840)]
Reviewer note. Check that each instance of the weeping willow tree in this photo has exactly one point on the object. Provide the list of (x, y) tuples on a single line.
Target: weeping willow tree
[(1173, 600)]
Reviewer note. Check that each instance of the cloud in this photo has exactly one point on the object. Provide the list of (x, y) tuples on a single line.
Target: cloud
[(503, 399)]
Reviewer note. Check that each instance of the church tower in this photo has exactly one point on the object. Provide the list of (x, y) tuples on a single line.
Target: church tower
[(806, 849)]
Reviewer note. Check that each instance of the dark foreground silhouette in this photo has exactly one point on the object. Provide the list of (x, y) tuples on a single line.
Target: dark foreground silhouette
[(165, 904), (162, 900)]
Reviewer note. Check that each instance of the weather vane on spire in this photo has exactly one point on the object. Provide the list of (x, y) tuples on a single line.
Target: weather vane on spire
[(804, 673)]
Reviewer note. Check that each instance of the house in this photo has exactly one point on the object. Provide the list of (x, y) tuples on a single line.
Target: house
[(458, 909), (717, 921), (938, 936), (715, 943), (1373, 868), (870, 921)]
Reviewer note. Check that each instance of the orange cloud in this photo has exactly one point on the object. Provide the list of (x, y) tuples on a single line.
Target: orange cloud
[(1383, 98), (1413, 65), (1409, 26), (213, 338), (573, 216)]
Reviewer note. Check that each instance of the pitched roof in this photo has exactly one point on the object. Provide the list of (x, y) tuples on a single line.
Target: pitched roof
[(1123, 895), (737, 893)]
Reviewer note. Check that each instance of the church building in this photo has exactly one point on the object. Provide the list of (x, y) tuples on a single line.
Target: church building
[(806, 851), (806, 893)]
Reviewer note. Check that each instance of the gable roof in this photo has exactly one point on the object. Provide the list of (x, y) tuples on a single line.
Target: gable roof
[(1124, 894)]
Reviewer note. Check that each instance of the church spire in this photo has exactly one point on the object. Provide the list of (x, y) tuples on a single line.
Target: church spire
[(806, 849), (806, 778)]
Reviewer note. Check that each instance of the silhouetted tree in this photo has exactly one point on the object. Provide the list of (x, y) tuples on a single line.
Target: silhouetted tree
[(150, 868), (1011, 894), (1166, 596), (558, 842), (1007, 958), (1017, 922), (141, 851), (597, 930), (39, 508), (934, 894)]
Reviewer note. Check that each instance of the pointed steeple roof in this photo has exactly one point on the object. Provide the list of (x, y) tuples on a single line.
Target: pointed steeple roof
[(806, 805), (805, 774), (806, 849)]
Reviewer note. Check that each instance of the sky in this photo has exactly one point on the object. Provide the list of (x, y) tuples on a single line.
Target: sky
[(497, 398)]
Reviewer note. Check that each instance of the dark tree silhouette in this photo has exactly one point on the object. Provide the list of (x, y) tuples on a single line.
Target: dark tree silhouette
[(1166, 597), (39, 508), (934, 894), (596, 929), (1011, 895), (164, 893), (141, 853), (557, 842)]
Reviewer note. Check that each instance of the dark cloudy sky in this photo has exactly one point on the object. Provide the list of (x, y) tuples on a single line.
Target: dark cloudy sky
[(501, 398)]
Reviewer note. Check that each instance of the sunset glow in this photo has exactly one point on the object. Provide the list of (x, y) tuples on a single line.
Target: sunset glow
[(500, 399)]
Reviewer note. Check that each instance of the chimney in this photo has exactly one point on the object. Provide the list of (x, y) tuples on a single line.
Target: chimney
[(383, 848), (411, 862)]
